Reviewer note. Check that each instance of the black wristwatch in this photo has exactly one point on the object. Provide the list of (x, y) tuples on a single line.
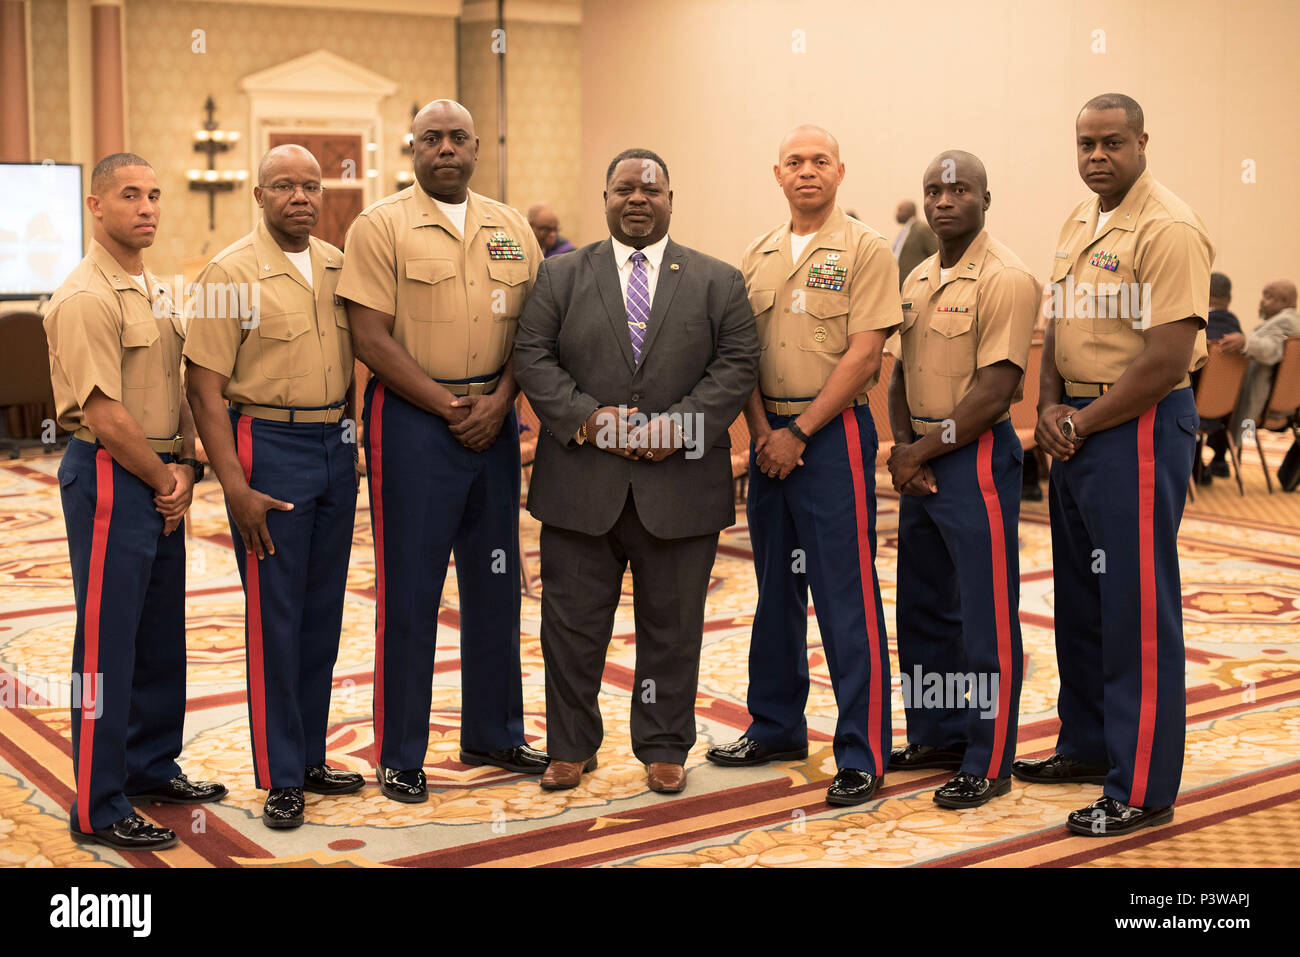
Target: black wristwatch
[(195, 465), (799, 433)]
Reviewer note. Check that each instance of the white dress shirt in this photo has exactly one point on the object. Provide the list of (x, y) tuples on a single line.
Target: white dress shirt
[(654, 255)]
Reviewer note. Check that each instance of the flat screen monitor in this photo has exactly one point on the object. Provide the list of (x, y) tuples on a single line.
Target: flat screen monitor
[(40, 227)]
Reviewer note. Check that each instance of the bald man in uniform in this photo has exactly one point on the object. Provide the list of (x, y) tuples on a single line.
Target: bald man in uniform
[(824, 290), (968, 317), (1129, 300), (284, 449), (126, 481), (435, 279)]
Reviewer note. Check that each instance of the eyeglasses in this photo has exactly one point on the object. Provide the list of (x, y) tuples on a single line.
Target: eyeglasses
[(288, 189)]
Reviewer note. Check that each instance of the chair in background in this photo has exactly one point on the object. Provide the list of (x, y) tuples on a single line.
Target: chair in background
[(529, 429), (1282, 410), (878, 400), (740, 439), (25, 380), (1217, 392), (1024, 414)]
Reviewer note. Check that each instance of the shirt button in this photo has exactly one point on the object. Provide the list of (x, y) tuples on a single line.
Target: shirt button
[(780, 378), (636, 397), (471, 282)]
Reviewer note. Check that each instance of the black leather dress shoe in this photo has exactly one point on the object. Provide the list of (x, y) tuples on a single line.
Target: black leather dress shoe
[(409, 787), (521, 759), (966, 790), (852, 786), (1111, 818), (181, 790), (131, 833), (1058, 770), (914, 757), (284, 808), (749, 753), (323, 779), (1219, 468)]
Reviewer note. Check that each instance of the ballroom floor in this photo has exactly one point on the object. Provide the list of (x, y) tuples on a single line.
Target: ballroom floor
[(1241, 601)]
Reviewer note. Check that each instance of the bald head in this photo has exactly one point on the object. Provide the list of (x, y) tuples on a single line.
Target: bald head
[(1278, 295), (545, 223), (906, 210), (953, 166), (809, 136), (444, 150), (442, 112), (290, 156)]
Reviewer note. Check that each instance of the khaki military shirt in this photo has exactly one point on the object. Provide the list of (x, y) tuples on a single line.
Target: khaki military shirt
[(454, 303), (1150, 265), (845, 282), (105, 332), (983, 314), (294, 349)]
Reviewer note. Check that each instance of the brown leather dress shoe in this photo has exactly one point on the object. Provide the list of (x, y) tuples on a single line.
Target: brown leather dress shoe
[(666, 778), (562, 775)]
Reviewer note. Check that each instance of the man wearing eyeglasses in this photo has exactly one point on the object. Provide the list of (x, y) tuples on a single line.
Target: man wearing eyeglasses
[(284, 450)]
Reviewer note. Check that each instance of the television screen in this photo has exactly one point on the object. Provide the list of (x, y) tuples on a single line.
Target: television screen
[(40, 227)]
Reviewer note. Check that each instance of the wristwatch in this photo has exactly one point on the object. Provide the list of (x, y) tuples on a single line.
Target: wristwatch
[(797, 432), (1071, 434), (195, 465)]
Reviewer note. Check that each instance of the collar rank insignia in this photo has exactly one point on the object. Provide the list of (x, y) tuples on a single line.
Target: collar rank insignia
[(501, 246), (828, 275), (952, 309), (1104, 260)]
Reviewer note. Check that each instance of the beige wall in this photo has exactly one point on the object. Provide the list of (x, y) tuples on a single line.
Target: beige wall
[(478, 93), (713, 84), (53, 139), (167, 84)]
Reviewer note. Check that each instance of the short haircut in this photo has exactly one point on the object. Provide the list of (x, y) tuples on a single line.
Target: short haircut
[(1119, 101), (635, 154), (1220, 285), (101, 178)]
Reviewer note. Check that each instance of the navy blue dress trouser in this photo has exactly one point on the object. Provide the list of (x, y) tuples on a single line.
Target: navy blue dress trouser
[(817, 528), (128, 655), (294, 597), (959, 602), (1115, 509), (431, 497)]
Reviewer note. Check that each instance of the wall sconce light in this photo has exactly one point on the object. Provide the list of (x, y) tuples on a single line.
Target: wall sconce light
[(212, 141)]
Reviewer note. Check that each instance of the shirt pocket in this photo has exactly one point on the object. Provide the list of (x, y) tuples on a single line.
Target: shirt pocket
[(952, 343), (825, 326), (429, 292), (760, 303), (1112, 306), (141, 362), (285, 344), (506, 299)]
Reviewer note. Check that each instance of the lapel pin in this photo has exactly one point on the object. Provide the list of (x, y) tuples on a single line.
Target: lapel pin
[(674, 267)]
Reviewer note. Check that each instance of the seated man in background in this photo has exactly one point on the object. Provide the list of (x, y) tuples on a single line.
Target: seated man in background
[(1221, 323), (546, 227), (1263, 346)]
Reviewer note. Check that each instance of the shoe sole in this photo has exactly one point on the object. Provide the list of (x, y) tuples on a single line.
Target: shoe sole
[(350, 789), (1073, 779), (589, 766), (1085, 830), (852, 802), (82, 838), (160, 799), (798, 755), (484, 762), (282, 825), (403, 798), (957, 804)]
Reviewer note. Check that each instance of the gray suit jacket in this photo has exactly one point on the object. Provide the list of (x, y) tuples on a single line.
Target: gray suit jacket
[(573, 355), (921, 243)]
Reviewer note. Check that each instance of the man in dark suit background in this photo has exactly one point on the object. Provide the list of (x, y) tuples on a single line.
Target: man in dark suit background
[(625, 328), (915, 241)]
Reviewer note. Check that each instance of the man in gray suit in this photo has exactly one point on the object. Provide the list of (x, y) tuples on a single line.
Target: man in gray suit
[(915, 241), (637, 355)]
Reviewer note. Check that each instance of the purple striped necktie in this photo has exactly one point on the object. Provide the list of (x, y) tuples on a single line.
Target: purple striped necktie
[(638, 304)]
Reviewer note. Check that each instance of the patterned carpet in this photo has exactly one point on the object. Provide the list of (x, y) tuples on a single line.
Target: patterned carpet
[(1241, 598)]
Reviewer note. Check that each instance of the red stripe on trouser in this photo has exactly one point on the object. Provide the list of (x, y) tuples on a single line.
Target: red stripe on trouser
[(90, 632), (1147, 579), (867, 570), (375, 465), (1001, 605), (253, 611)]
